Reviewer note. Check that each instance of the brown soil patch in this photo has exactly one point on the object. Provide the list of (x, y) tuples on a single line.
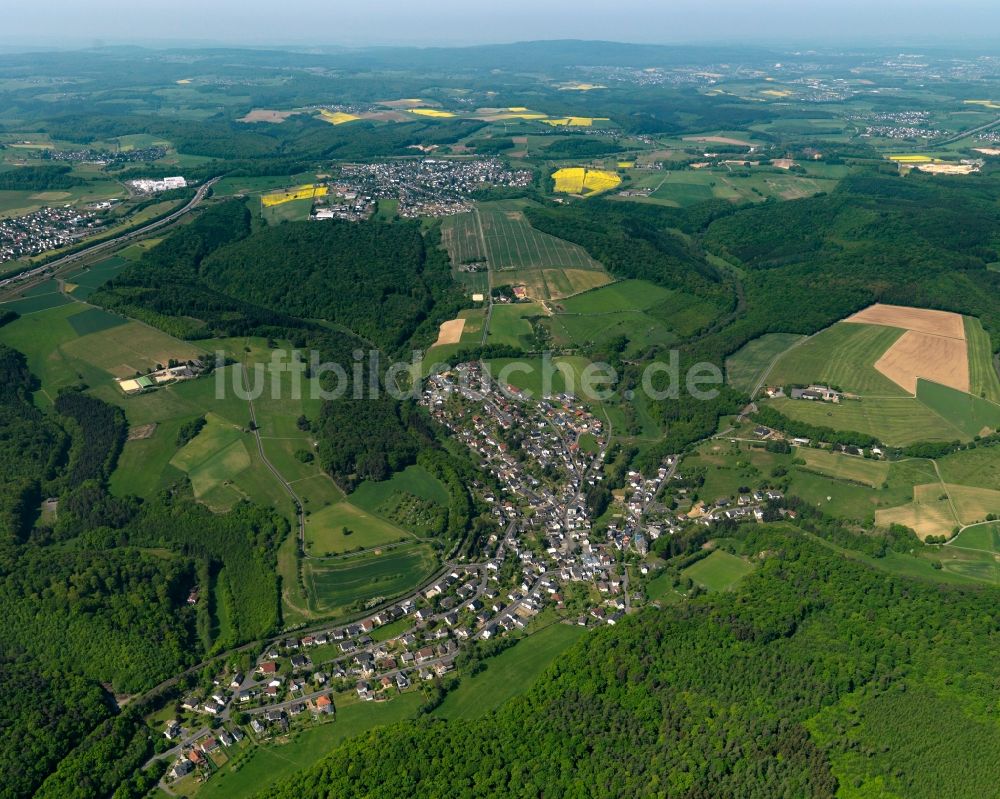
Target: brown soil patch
[(266, 115), (915, 354), (142, 431), (922, 320), (450, 332)]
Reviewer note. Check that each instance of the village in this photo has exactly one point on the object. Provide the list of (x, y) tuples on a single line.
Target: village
[(545, 561), (424, 187), (43, 230)]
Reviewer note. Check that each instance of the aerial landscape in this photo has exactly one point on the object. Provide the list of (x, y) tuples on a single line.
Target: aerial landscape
[(499, 410)]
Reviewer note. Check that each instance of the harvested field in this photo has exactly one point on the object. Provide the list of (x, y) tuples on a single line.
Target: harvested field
[(450, 332), (937, 358), (922, 320), (930, 513)]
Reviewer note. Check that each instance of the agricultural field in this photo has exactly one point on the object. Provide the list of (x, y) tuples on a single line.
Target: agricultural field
[(308, 191), (932, 512), (518, 254), (720, 571), (85, 282), (583, 181), (842, 356), (508, 674), (460, 236), (747, 366), (971, 414), (338, 585), (910, 366)]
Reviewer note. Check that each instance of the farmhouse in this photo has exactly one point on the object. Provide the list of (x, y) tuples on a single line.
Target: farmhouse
[(814, 393)]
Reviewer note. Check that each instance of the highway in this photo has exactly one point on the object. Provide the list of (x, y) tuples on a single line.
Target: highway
[(109, 244)]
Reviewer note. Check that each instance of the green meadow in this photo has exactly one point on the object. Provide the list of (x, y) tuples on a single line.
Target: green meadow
[(720, 571), (510, 673)]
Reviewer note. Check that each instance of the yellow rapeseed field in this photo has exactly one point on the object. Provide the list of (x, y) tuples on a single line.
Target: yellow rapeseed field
[(910, 159), (431, 112), (578, 180), (984, 103), (337, 117), (576, 122), (303, 192)]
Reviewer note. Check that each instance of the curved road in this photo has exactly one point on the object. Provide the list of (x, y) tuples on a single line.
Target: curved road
[(111, 243)]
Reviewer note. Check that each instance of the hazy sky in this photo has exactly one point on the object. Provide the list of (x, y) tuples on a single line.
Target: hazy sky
[(430, 22)]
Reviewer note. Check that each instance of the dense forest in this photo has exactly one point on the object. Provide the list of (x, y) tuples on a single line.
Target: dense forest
[(370, 277), (105, 569), (797, 682)]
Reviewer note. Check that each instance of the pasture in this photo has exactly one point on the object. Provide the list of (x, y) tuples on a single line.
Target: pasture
[(896, 421), (982, 537), (720, 571), (508, 674), (852, 468), (682, 188), (842, 356), (972, 467), (413, 480), (644, 312), (983, 378), (529, 374), (746, 366), (212, 462), (509, 324), (343, 527), (336, 586)]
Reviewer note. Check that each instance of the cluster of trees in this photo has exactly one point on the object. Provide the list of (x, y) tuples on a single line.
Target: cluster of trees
[(714, 697), (455, 476), (99, 432), (39, 178)]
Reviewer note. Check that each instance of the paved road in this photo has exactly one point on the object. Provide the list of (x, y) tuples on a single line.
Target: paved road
[(66, 260)]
